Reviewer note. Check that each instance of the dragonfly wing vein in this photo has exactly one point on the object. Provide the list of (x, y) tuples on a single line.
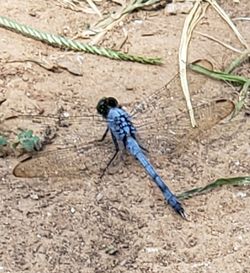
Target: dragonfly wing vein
[(168, 134), (68, 162)]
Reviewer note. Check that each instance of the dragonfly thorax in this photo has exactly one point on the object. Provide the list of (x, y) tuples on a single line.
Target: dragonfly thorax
[(119, 123)]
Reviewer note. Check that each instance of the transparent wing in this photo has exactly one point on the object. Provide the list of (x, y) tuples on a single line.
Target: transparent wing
[(162, 123), (87, 159), (168, 99), (162, 120), (173, 133), (161, 98), (68, 129), (83, 125)]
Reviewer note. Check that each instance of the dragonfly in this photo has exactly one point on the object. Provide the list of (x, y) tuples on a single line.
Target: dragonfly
[(148, 128)]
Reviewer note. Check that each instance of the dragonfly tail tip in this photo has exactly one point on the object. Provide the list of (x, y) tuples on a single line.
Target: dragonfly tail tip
[(183, 214)]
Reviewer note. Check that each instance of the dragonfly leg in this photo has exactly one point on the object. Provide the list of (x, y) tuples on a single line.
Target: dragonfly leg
[(143, 148), (114, 156), (104, 135), (2, 101)]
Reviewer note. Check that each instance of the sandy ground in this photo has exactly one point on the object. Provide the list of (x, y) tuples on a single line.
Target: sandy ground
[(121, 224)]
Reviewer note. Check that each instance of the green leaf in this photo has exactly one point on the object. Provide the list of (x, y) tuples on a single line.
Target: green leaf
[(28, 141), (3, 141)]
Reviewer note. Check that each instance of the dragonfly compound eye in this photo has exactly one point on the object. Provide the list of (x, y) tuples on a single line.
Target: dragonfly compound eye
[(112, 102), (105, 104), (101, 106)]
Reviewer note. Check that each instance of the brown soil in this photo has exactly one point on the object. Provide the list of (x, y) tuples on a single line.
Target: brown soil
[(121, 224)]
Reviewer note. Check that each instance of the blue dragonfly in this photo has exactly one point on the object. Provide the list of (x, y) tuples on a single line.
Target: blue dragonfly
[(149, 128)]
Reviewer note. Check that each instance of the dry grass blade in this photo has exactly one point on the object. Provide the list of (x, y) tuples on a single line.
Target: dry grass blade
[(78, 6), (69, 4), (101, 27), (219, 42), (241, 19), (94, 7), (191, 21), (223, 14)]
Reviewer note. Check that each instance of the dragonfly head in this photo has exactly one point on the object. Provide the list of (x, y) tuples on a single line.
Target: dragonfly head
[(105, 104)]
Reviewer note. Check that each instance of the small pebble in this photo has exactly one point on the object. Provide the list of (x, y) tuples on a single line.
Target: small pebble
[(111, 250), (177, 8), (241, 194), (152, 249), (25, 78), (33, 13), (99, 197), (129, 88), (34, 196)]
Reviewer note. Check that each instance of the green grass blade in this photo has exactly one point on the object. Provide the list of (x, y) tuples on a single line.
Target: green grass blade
[(238, 61), (234, 181), (242, 98), (218, 75), (63, 42)]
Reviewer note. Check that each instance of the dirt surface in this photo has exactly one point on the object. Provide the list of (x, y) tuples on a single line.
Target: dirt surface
[(121, 223)]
